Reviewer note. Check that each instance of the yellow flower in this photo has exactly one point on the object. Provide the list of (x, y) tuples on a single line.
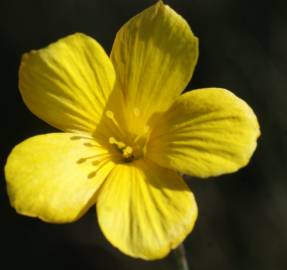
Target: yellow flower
[(127, 132)]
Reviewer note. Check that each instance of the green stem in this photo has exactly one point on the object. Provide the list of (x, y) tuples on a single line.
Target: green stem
[(181, 258)]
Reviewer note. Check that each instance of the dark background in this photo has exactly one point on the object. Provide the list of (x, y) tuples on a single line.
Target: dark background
[(242, 222)]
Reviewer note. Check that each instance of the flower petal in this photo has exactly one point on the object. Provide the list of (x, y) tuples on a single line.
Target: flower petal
[(68, 83), (205, 133), (145, 210), (55, 176), (154, 55)]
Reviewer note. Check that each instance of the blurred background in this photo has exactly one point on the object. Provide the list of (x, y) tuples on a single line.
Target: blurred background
[(243, 216)]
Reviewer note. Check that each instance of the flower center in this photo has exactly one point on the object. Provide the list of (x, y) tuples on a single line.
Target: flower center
[(126, 151), (129, 147)]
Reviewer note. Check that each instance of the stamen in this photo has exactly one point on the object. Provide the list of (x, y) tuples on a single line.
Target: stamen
[(111, 116), (119, 144), (131, 149)]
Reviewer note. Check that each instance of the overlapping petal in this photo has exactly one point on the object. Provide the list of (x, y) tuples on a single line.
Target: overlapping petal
[(68, 83), (154, 55), (55, 176), (145, 210), (205, 133)]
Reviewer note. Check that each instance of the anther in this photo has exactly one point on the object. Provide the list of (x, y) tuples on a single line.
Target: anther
[(110, 114), (127, 152)]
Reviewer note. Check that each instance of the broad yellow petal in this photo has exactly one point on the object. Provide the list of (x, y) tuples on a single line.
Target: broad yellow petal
[(154, 55), (205, 133), (145, 210), (68, 83), (55, 176)]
